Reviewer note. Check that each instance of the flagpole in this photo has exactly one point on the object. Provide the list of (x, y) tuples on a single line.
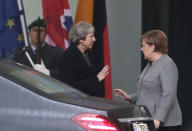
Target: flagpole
[(23, 22)]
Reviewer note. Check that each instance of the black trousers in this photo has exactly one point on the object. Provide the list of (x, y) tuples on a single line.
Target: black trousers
[(170, 128)]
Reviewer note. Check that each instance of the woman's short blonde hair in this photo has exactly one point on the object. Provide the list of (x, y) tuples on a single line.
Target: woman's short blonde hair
[(157, 38)]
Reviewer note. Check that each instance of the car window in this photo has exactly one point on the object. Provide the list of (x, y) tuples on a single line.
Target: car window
[(38, 80)]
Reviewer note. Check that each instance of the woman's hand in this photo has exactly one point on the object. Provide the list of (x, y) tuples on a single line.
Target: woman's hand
[(122, 94), (103, 73), (157, 123)]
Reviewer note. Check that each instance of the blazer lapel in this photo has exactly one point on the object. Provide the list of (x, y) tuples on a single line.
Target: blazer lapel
[(31, 53)]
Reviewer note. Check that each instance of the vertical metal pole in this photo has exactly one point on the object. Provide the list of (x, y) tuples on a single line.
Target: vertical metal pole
[(23, 22)]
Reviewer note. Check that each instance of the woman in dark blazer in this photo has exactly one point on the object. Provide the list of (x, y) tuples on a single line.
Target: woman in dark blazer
[(77, 68), (157, 84)]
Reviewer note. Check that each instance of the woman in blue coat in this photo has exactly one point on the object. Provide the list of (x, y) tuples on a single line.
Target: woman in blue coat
[(78, 68)]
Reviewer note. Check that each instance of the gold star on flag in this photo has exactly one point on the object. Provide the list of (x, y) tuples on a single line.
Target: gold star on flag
[(20, 38), (10, 23)]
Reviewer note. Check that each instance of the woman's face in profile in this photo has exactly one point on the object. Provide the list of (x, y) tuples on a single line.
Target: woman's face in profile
[(147, 50), (89, 40)]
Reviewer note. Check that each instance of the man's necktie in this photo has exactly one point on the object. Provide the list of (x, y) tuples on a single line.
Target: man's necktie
[(38, 58)]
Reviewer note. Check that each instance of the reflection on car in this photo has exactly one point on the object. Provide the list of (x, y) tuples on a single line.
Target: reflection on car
[(32, 101)]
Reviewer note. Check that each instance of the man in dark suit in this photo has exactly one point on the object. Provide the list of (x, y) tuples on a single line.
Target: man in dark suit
[(39, 55), (78, 68)]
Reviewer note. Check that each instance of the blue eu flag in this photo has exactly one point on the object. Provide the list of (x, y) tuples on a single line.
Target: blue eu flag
[(11, 35)]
